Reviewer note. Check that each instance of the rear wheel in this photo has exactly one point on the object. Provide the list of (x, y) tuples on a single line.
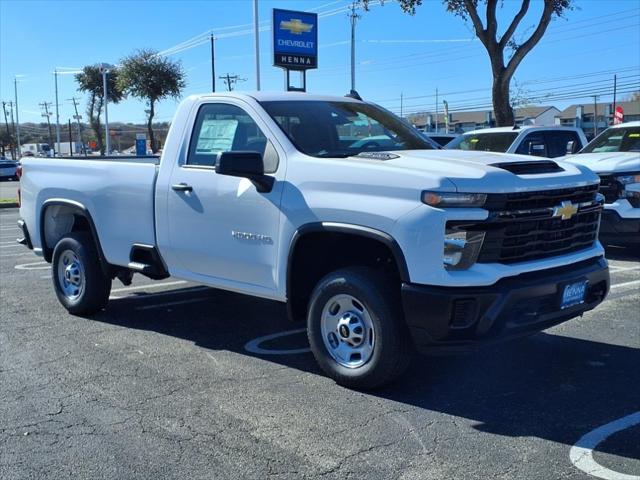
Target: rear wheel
[(356, 329), (79, 282)]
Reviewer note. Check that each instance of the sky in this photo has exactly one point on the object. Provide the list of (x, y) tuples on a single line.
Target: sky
[(396, 54)]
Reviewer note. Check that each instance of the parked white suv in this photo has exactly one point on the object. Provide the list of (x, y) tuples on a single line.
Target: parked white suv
[(550, 142), (615, 156)]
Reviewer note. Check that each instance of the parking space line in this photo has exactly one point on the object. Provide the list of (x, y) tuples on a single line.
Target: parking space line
[(622, 269), (253, 346), (13, 245), (625, 284), (170, 304), (581, 454), (151, 285)]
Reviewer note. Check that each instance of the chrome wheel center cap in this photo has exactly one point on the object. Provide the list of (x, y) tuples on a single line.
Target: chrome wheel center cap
[(351, 329)]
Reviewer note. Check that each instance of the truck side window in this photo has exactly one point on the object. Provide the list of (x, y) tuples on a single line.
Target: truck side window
[(562, 143), (221, 127), (533, 144)]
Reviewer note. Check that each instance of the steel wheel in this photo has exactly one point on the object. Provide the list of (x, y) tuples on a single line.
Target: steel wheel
[(71, 275), (347, 331)]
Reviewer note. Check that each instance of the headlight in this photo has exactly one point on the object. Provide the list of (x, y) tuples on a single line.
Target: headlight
[(630, 188), (628, 178), (446, 199), (461, 248)]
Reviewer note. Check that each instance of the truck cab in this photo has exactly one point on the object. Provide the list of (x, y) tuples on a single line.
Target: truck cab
[(549, 142)]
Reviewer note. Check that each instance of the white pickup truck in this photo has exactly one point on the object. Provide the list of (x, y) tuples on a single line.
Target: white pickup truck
[(538, 141), (293, 197), (615, 156)]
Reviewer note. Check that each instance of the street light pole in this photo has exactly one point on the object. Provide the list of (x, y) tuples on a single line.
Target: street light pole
[(213, 64), (105, 72), (256, 29), (15, 89), (55, 74), (353, 17)]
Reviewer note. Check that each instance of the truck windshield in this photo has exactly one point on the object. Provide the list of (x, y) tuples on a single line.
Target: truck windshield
[(615, 140), (342, 129), (486, 142)]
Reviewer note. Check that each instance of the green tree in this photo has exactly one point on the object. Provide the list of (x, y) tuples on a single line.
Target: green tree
[(90, 81), (498, 45), (151, 77)]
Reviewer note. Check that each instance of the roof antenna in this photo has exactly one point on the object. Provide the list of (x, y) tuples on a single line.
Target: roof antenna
[(354, 94)]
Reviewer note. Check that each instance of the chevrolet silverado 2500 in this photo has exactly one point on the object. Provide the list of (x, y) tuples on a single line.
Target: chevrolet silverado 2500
[(338, 208), (615, 156)]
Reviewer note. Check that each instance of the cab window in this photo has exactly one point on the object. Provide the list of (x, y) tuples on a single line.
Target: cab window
[(221, 127)]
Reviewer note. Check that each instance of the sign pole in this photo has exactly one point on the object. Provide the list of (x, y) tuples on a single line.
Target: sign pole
[(257, 38)]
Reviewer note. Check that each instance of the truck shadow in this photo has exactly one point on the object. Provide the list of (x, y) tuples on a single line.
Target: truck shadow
[(548, 386)]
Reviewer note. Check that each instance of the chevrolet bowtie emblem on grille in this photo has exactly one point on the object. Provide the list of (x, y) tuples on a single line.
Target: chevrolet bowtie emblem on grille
[(296, 26), (566, 210)]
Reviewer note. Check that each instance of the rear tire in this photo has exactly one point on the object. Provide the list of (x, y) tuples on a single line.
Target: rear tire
[(78, 280), (356, 329)]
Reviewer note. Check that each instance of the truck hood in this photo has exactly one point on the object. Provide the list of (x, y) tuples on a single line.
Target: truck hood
[(608, 162), (477, 171)]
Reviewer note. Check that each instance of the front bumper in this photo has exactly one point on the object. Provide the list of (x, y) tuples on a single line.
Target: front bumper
[(615, 229), (457, 319)]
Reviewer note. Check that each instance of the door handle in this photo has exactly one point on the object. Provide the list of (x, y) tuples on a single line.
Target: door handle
[(182, 187)]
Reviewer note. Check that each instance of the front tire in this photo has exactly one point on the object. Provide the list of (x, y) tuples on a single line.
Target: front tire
[(356, 330), (79, 282)]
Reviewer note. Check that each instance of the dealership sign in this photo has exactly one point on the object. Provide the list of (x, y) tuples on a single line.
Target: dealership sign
[(295, 39)]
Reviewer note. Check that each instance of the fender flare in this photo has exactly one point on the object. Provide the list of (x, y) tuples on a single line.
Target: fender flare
[(77, 208), (351, 229)]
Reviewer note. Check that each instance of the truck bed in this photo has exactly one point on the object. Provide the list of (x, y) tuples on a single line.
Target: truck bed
[(118, 191)]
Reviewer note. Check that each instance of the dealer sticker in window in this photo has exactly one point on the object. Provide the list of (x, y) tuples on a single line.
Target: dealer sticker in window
[(573, 294)]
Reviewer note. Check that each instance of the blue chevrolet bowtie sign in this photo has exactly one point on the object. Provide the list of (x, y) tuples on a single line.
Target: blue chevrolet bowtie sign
[(295, 39)]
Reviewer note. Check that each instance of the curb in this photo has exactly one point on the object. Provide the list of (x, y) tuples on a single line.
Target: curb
[(9, 205)]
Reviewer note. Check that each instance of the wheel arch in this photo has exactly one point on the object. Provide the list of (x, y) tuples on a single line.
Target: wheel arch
[(78, 219), (345, 231)]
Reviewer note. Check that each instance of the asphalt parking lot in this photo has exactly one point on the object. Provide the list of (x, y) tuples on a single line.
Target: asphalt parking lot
[(173, 381)]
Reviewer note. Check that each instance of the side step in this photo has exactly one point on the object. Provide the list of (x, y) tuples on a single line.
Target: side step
[(145, 259)]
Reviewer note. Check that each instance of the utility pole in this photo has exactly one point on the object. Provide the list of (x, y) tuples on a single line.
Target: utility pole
[(615, 90), (13, 129), (256, 33), (353, 18), (78, 118), (213, 63), (230, 80), (436, 109), (595, 116), (104, 68), (70, 140), (55, 74), (47, 114), (15, 90), (6, 123)]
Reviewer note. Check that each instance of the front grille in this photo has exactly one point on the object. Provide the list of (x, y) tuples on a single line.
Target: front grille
[(610, 188), (521, 226)]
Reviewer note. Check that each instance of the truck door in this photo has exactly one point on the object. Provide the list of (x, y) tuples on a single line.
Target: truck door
[(221, 230)]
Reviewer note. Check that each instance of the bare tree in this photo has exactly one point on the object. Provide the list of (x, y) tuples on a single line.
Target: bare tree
[(498, 44)]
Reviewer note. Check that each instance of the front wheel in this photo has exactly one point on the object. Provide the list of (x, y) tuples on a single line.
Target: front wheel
[(356, 330), (79, 282)]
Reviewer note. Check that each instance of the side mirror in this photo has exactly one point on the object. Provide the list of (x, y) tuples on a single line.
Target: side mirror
[(245, 165)]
